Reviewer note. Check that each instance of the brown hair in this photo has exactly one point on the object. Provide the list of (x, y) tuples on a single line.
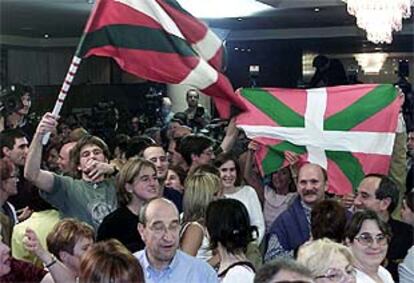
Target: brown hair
[(328, 220), (110, 261), (228, 156), (354, 226), (65, 234), (76, 150), (129, 171), (7, 169)]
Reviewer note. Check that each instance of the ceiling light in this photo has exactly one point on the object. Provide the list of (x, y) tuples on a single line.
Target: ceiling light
[(379, 18), (316, 10), (46, 35), (223, 9)]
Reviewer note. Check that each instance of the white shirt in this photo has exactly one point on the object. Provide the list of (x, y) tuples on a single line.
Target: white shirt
[(385, 276), (238, 274), (248, 196)]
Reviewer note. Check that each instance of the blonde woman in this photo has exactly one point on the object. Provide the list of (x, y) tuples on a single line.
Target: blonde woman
[(200, 190), (137, 183), (328, 261)]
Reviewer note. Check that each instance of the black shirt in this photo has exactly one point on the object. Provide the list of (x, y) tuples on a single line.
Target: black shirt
[(401, 242), (121, 224)]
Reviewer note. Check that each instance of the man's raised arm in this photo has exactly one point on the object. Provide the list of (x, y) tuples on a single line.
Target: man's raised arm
[(32, 172)]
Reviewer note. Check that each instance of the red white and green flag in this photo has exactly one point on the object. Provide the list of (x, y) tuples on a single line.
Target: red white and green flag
[(159, 41), (348, 130)]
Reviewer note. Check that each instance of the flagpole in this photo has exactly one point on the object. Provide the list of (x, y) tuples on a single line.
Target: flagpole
[(70, 76)]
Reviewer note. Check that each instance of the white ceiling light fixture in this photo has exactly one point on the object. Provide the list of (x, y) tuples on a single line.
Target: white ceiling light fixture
[(379, 18), (223, 8), (371, 63)]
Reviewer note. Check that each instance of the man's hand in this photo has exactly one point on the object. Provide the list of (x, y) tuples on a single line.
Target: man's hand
[(48, 123), (348, 200), (95, 169), (24, 213)]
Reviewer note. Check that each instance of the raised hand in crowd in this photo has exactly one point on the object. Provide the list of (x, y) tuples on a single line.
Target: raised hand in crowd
[(250, 173), (59, 272), (32, 172), (231, 136), (292, 158), (348, 200), (47, 124), (95, 169)]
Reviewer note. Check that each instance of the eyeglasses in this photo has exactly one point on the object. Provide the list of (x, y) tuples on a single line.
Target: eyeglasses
[(339, 276), (366, 239), (160, 229)]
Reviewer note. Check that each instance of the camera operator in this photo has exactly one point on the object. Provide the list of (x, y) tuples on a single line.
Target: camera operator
[(329, 72), (15, 102), (197, 117)]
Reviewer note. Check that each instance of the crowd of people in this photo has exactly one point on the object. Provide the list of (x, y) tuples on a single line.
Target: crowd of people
[(170, 204)]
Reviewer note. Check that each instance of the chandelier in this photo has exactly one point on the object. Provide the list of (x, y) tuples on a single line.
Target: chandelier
[(379, 18)]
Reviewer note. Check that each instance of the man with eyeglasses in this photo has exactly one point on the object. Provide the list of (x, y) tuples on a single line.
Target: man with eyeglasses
[(380, 194), (161, 261), (196, 150)]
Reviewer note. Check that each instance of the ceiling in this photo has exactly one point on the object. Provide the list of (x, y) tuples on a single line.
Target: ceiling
[(288, 19)]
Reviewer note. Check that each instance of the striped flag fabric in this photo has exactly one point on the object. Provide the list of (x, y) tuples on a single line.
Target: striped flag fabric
[(159, 41), (348, 130)]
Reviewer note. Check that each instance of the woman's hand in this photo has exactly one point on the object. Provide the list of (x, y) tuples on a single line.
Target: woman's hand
[(32, 244)]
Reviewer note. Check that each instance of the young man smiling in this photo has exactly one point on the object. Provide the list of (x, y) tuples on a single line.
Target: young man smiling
[(88, 198)]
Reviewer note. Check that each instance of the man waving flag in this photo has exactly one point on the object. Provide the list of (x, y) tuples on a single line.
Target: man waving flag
[(348, 130), (159, 41)]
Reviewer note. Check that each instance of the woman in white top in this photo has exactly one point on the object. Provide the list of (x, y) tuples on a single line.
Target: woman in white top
[(278, 195), (230, 232), (200, 190), (368, 237), (230, 176)]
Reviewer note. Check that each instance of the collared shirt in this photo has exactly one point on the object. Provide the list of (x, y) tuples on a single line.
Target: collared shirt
[(183, 268)]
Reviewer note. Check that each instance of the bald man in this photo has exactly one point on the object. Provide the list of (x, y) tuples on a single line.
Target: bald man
[(159, 227), (292, 228)]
